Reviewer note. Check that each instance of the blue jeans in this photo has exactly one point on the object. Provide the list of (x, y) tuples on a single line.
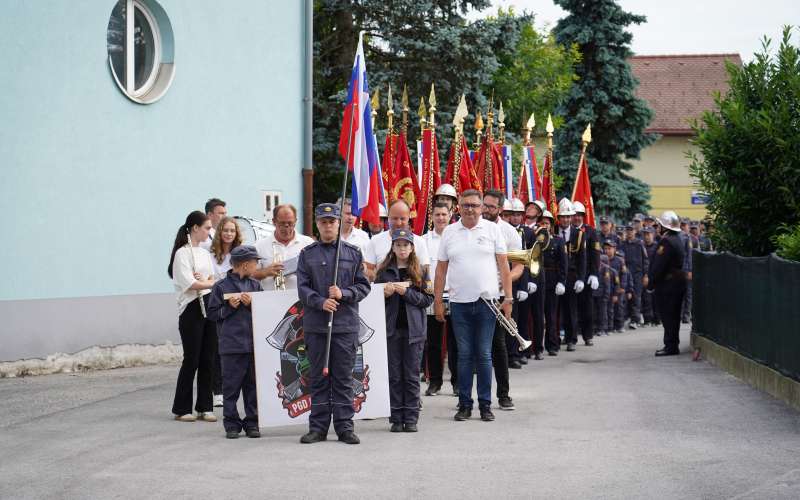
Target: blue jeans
[(473, 326)]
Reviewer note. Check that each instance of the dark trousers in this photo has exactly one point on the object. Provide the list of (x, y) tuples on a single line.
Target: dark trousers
[(434, 354), (473, 328), (404, 360), (332, 396), (239, 377), (617, 315), (500, 360), (199, 340), (569, 313), (217, 380), (601, 313), (586, 313), (520, 313), (552, 341), (669, 303), (452, 355), (536, 308), (635, 303), (648, 307)]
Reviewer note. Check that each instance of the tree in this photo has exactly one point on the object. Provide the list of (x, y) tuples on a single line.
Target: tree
[(750, 153), (605, 97), (413, 42), (536, 77)]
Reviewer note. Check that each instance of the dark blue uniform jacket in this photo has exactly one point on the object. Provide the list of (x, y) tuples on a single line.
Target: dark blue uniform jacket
[(416, 300), (315, 275), (234, 325)]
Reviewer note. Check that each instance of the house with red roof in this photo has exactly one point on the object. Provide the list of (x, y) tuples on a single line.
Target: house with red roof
[(678, 88)]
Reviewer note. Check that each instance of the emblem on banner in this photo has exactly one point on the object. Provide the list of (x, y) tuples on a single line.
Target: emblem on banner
[(292, 381)]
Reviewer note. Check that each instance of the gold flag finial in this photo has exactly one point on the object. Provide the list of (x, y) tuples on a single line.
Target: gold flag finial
[(587, 134), (389, 110), (431, 108), (375, 104), (421, 112), (479, 121), (501, 116), (460, 115), (527, 127), (549, 126), (404, 109), (531, 122)]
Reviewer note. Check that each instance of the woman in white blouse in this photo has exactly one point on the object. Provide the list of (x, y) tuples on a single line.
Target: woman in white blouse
[(191, 270)]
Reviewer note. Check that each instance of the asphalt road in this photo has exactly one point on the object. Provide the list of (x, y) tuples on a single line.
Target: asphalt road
[(610, 421)]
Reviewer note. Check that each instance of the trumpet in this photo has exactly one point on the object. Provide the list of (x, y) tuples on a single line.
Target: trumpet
[(533, 256), (280, 279), (508, 324)]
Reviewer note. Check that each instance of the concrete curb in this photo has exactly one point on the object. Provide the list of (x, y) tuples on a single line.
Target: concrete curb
[(757, 375)]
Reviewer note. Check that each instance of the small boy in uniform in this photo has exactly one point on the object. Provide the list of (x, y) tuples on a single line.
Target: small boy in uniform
[(230, 308)]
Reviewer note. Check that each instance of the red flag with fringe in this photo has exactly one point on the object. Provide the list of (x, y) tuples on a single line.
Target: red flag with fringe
[(431, 180), (461, 174), (582, 191)]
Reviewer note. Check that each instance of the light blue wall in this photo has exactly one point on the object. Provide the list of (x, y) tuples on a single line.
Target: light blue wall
[(93, 186)]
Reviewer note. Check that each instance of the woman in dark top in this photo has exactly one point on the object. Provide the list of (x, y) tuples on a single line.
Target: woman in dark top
[(408, 292)]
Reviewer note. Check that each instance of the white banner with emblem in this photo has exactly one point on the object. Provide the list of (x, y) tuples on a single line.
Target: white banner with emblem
[(282, 365)]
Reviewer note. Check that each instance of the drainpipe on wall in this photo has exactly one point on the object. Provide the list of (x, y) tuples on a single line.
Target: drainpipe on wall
[(308, 105)]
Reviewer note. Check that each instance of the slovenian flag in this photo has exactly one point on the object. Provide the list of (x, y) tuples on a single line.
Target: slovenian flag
[(363, 155), (508, 176)]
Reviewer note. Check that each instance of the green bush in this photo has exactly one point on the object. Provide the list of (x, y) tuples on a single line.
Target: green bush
[(788, 242), (750, 152)]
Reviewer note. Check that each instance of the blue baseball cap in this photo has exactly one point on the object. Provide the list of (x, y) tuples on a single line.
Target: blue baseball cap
[(243, 253)]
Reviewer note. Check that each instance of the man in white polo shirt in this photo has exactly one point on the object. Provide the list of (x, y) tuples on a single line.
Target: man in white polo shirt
[(379, 245), (471, 254), (285, 243)]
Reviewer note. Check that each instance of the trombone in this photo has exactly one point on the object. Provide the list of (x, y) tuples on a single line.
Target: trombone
[(508, 324)]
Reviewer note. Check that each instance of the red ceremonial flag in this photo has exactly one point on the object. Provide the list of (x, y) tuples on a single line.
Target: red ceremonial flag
[(388, 171), (489, 165), (431, 180), (405, 185), (548, 188), (465, 178), (582, 191)]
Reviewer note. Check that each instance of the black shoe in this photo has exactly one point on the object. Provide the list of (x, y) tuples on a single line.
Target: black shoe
[(552, 353), (349, 437), (589, 342), (524, 360), (313, 437), (253, 432), (409, 427), (515, 364), (487, 415), (396, 427), (433, 389), (505, 403), (570, 347), (667, 352), (463, 414), (538, 356), (232, 434), (563, 341)]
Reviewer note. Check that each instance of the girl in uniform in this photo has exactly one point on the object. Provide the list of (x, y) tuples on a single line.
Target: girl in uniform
[(191, 269), (408, 293)]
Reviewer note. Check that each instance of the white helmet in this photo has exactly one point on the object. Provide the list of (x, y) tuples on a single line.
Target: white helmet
[(578, 207), (507, 206), (382, 213), (540, 204), (446, 190), (565, 207), (670, 220), (517, 205), (547, 214)]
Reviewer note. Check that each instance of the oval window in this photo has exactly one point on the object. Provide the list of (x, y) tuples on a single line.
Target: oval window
[(140, 49)]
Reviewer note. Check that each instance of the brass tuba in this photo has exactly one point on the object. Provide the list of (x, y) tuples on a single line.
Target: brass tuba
[(533, 256)]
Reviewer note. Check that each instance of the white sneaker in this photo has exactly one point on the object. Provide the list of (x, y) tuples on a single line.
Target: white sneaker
[(217, 400), (185, 418), (206, 416)]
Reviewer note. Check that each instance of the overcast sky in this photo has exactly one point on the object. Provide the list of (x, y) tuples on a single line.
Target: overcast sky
[(688, 26)]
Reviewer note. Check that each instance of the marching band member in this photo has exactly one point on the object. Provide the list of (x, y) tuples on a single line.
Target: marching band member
[(492, 201), (408, 293), (533, 210), (475, 251), (332, 395), (434, 354), (234, 320), (446, 194), (522, 290), (576, 271), (593, 251), (191, 271), (555, 266), (375, 229), (284, 244)]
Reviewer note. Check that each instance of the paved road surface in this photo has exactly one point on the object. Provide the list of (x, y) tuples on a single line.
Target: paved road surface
[(609, 421)]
